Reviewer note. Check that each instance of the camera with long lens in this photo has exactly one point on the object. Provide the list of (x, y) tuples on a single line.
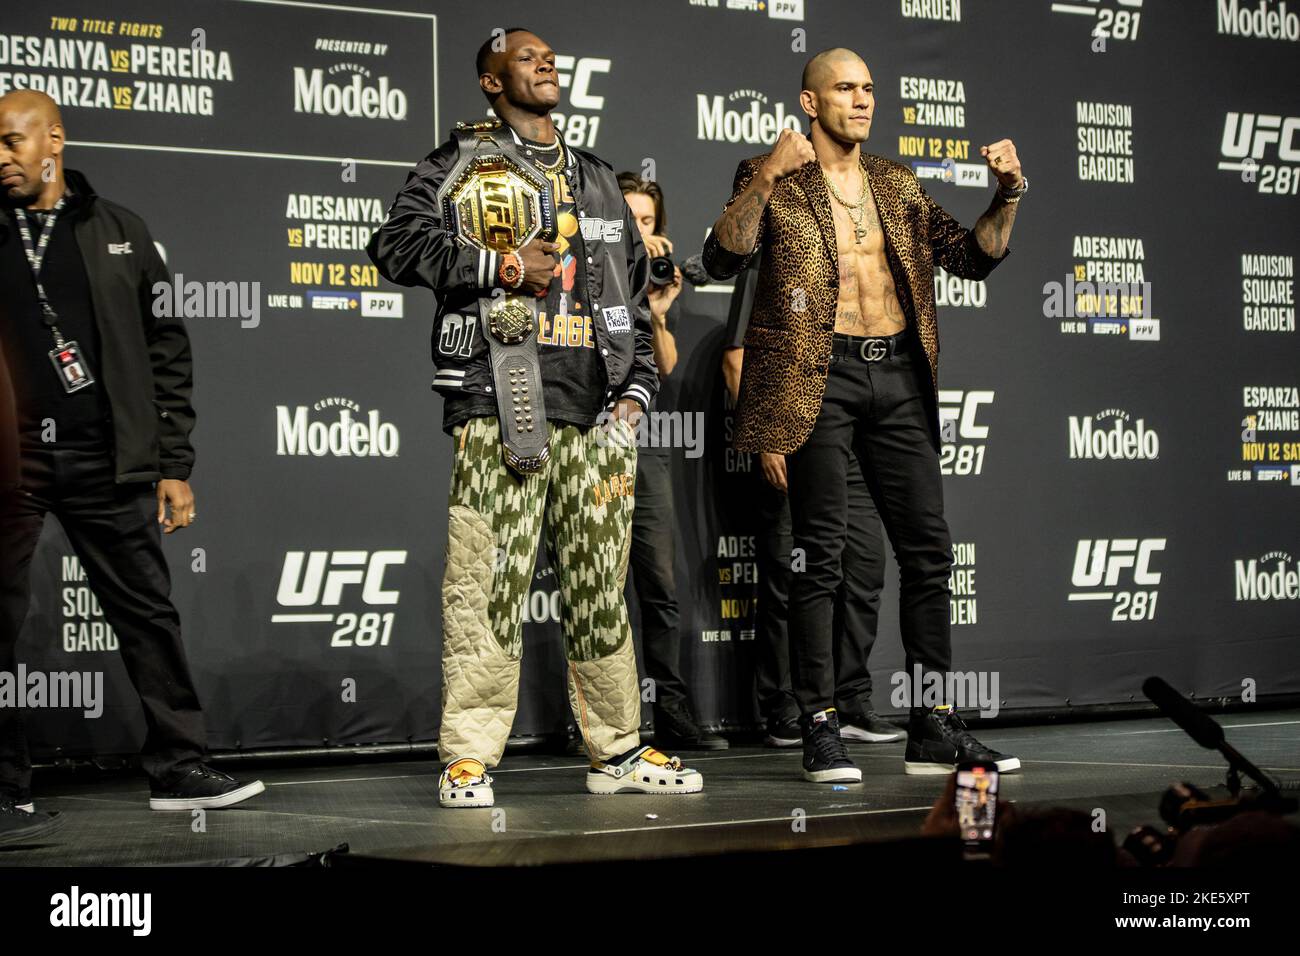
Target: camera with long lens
[(661, 270), (693, 271)]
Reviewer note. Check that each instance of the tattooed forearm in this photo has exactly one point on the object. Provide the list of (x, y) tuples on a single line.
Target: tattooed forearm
[(737, 229), (993, 229)]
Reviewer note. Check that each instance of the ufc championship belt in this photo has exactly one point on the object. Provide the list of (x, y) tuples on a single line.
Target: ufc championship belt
[(494, 199)]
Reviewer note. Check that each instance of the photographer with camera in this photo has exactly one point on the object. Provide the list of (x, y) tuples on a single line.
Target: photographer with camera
[(653, 544)]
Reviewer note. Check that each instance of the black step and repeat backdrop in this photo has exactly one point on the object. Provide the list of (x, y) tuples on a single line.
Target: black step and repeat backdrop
[(1120, 398)]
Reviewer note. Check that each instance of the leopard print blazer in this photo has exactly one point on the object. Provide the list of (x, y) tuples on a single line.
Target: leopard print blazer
[(788, 342)]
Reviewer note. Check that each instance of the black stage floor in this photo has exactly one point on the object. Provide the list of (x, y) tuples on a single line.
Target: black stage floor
[(389, 809)]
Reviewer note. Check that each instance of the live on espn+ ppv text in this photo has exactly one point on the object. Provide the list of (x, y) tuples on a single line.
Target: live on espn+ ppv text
[(1120, 402)]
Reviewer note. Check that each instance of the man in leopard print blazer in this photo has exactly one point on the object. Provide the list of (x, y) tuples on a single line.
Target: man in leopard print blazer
[(840, 371)]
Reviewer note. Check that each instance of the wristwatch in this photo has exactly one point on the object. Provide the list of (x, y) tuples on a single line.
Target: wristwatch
[(511, 271)]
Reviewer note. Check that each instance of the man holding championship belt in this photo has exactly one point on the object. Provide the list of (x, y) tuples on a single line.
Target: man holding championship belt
[(542, 346)]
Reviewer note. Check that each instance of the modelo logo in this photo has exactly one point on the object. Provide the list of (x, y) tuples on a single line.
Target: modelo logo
[(311, 94), (1257, 580), (347, 437), (543, 607), (717, 123), (1120, 442), (951, 291), (1265, 20)]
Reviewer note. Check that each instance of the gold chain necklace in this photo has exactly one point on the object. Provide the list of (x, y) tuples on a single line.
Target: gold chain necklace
[(559, 160), (859, 229)]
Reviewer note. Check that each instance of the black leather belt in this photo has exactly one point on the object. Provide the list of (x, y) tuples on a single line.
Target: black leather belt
[(873, 348)]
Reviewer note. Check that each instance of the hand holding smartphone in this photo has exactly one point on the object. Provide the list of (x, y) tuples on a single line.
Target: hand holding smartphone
[(977, 806)]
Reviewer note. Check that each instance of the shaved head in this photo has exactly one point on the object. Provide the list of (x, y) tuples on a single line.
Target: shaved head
[(821, 70), (33, 103), (838, 96), (523, 71), (31, 148)]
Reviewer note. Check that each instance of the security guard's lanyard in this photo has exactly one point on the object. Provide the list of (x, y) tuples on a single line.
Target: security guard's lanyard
[(72, 369), (35, 257)]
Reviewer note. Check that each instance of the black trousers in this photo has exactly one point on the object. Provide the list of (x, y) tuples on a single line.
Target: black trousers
[(857, 601), (114, 531), (654, 545), (872, 418)]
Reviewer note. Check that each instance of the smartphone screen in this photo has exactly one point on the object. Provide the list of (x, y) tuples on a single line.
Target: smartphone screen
[(977, 803)]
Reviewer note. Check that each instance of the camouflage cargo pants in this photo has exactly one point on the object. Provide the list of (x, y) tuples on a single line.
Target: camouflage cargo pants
[(585, 495)]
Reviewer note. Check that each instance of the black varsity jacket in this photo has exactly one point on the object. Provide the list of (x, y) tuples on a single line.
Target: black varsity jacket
[(413, 247)]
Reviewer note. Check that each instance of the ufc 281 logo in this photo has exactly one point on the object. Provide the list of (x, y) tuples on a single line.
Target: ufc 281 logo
[(1103, 567), (961, 432), (326, 580), (1249, 138), (575, 75), (1121, 23)]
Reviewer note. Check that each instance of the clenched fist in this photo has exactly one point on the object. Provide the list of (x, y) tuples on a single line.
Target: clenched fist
[(791, 152), (538, 258), (1002, 159)]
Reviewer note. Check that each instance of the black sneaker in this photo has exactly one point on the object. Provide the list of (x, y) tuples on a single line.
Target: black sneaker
[(677, 730), (202, 788), (24, 827), (938, 739), (824, 758), (783, 732), (868, 728)]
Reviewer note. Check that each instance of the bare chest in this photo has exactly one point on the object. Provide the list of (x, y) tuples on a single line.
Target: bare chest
[(867, 301)]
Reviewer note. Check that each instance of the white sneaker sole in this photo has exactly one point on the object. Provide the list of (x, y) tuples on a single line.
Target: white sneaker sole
[(869, 737), (208, 803), (783, 742), (1005, 765), (467, 797), (926, 768), (838, 775), (687, 782)]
